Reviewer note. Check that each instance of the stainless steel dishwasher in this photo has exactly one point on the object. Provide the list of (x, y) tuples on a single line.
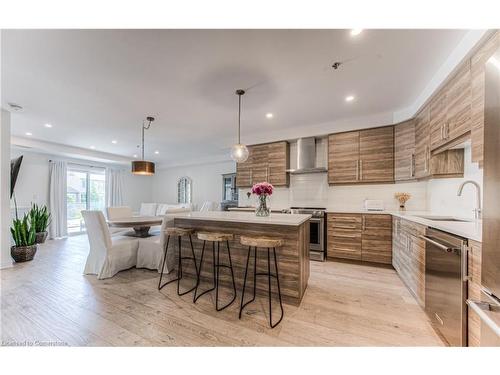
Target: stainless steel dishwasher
[(446, 284)]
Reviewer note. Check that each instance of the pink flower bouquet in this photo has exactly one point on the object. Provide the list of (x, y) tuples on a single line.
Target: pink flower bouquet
[(262, 188)]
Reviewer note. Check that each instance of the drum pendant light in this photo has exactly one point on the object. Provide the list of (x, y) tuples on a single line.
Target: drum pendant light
[(239, 152), (143, 167)]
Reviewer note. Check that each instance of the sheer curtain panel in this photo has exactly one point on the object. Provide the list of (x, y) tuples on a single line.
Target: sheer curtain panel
[(57, 199), (114, 187)]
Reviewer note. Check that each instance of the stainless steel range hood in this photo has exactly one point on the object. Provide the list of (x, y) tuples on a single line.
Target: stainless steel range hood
[(306, 157)]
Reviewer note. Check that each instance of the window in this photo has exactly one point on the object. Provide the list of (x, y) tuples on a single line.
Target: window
[(86, 189), (184, 190), (229, 190)]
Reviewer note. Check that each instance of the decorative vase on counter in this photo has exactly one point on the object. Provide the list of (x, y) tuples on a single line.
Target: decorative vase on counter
[(402, 199), (263, 190), (262, 208)]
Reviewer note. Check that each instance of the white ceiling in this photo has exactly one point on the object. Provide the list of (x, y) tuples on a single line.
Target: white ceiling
[(94, 86)]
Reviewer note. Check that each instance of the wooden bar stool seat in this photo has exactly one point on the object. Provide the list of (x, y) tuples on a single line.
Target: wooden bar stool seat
[(269, 243), (216, 237), (261, 241), (179, 233)]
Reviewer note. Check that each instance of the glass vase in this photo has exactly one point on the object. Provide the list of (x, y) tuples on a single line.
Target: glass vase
[(262, 206)]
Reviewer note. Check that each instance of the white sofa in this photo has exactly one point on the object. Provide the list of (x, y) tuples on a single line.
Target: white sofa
[(161, 209)]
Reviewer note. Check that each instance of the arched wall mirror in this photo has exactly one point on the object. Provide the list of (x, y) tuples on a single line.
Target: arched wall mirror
[(184, 187)]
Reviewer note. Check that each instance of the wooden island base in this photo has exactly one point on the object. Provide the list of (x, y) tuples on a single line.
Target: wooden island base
[(293, 256)]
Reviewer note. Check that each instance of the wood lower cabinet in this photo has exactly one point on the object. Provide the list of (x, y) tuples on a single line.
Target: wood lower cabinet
[(344, 236), (266, 162), (343, 158), (376, 238), (365, 237), (474, 292), (404, 151), (408, 256)]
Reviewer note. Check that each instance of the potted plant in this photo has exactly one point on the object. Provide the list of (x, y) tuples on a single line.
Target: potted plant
[(24, 235), (40, 219)]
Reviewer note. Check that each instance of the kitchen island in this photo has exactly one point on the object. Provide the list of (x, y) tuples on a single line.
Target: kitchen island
[(293, 256)]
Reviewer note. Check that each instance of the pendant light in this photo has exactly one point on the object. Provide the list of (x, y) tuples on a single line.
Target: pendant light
[(143, 167), (239, 152)]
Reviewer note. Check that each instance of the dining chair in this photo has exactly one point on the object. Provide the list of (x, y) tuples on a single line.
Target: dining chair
[(117, 213), (151, 249), (107, 255), (148, 209)]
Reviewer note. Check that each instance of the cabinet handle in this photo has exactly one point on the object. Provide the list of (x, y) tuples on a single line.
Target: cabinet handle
[(412, 165), (447, 129), (364, 224), (357, 170), (361, 169), (442, 131)]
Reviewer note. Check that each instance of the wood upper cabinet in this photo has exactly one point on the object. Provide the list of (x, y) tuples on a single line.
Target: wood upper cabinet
[(404, 151), (343, 158), (422, 143), (450, 111), (344, 236), (376, 154), (361, 156), (366, 237), (478, 62), (376, 238), (266, 162), (278, 163)]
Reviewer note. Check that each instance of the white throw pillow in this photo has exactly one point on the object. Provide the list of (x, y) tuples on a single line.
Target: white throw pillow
[(161, 209), (148, 209)]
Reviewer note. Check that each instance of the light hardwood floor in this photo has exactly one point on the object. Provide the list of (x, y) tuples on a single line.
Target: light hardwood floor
[(50, 301)]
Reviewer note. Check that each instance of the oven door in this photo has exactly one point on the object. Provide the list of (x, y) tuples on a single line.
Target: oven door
[(317, 235)]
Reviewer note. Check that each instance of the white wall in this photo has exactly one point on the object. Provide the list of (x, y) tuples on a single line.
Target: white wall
[(207, 182), (5, 259), (33, 181), (442, 193)]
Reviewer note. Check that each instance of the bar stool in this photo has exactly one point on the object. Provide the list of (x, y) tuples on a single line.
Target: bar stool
[(262, 242), (215, 238), (179, 232)]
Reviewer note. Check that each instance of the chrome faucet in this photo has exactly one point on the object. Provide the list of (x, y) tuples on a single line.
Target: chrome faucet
[(477, 209)]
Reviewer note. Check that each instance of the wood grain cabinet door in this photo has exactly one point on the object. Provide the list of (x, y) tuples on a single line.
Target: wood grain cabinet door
[(438, 119), (458, 101), (474, 291), (278, 163), (244, 171), (344, 236), (404, 151), (376, 154), (376, 235), (260, 170), (422, 144), (343, 158)]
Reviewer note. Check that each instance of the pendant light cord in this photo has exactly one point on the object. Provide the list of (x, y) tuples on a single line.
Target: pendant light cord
[(150, 119), (239, 118)]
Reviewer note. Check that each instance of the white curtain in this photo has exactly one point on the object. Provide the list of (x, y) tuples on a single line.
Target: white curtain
[(114, 187), (57, 199)]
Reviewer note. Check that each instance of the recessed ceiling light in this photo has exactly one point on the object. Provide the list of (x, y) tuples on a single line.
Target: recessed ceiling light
[(135, 155), (114, 142), (92, 147), (48, 125), (349, 98), (157, 152), (269, 115), (28, 133), (355, 32)]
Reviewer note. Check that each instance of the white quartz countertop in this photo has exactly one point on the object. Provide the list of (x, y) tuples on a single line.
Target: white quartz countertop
[(470, 228), (245, 217)]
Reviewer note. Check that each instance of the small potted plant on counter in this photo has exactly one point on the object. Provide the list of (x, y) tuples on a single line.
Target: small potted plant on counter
[(402, 198), (263, 190), (24, 236), (40, 219)]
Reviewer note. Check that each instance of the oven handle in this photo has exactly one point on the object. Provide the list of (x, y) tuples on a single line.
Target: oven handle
[(479, 308), (437, 244)]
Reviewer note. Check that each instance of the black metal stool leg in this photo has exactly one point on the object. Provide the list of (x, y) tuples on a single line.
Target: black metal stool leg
[(230, 266), (279, 290), (242, 303), (180, 269), (163, 265), (196, 295)]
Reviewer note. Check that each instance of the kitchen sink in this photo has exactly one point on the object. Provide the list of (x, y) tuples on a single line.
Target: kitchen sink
[(444, 218)]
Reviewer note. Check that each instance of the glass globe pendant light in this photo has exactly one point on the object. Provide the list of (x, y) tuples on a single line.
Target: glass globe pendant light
[(239, 152), (144, 167)]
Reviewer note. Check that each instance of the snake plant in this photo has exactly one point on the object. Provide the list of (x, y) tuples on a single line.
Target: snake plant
[(23, 232), (39, 217)]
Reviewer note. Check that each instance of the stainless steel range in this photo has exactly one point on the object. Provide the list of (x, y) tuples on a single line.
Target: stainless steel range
[(317, 230)]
